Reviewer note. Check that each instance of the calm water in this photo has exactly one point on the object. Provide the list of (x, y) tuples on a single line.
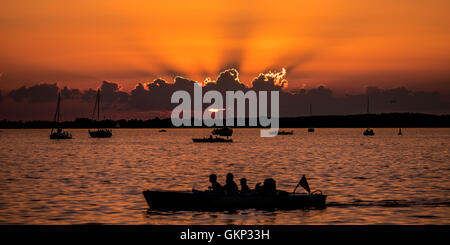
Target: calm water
[(385, 179)]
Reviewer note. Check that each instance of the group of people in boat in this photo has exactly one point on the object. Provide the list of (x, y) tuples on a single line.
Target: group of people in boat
[(59, 131), (230, 188)]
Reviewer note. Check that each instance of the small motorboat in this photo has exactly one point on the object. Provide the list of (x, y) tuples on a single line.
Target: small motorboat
[(281, 132), (162, 131), (310, 130), (368, 132), (100, 133), (206, 200), (286, 132), (211, 139), (224, 131)]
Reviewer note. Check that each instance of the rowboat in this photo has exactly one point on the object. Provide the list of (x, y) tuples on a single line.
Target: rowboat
[(206, 200)]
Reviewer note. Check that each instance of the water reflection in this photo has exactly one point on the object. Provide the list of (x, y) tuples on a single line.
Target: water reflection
[(368, 180)]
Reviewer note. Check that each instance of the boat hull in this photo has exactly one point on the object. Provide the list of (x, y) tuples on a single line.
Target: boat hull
[(100, 134), (60, 136), (165, 200), (281, 132), (285, 133)]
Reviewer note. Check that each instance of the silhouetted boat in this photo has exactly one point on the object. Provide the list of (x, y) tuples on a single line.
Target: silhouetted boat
[(205, 200), (162, 131), (286, 132), (224, 131), (99, 132), (311, 130), (281, 132), (368, 132), (400, 131), (57, 131), (211, 140)]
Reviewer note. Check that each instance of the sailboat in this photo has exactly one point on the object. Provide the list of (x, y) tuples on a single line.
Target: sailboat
[(368, 131), (57, 131), (400, 131), (310, 130), (100, 132)]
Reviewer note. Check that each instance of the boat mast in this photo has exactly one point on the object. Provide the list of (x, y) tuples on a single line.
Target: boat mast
[(98, 105), (57, 114), (56, 117)]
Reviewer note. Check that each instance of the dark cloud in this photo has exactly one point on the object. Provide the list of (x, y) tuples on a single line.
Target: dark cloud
[(154, 97), (39, 93), (111, 93), (43, 93), (269, 82), (157, 94), (67, 93), (227, 80)]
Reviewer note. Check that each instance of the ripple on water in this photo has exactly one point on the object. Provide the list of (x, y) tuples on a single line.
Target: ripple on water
[(384, 179)]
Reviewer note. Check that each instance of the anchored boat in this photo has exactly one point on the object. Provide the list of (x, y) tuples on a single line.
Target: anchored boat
[(286, 132), (211, 140), (57, 131), (281, 132), (99, 132), (368, 132)]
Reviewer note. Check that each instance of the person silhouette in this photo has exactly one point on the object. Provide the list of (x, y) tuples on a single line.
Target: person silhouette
[(244, 186), (269, 187), (215, 186), (231, 188)]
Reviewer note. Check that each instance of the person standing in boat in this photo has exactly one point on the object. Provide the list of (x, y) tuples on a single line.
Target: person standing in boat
[(231, 188), (244, 186), (215, 186)]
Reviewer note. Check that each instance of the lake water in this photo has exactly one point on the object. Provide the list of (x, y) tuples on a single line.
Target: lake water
[(385, 179)]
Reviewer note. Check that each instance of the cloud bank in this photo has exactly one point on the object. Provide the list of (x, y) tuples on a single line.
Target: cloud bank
[(152, 99)]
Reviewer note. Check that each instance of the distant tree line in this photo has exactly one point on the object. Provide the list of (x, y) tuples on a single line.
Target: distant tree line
[(387, 120)]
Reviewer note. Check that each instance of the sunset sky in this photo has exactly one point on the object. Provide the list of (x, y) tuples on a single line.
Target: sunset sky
[(345, 45)]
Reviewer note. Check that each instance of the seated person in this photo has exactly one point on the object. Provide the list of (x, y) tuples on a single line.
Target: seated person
[(215, 186), (268, 188), (244, 186), (230, 187)]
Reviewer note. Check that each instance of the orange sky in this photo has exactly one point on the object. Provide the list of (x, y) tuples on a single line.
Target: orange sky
[(343, 44)]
